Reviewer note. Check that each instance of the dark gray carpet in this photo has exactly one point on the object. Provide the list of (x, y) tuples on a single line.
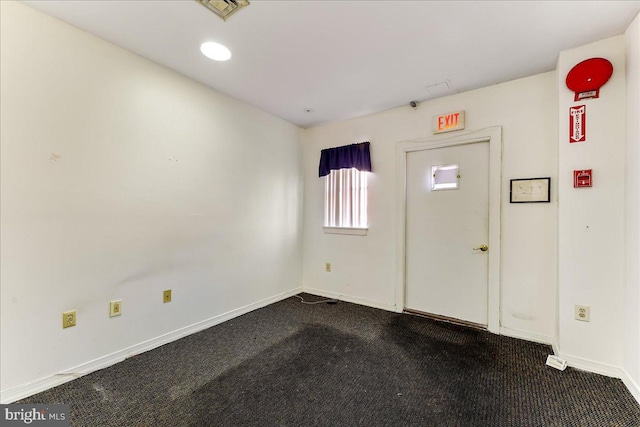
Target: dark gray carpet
[(291, 364)]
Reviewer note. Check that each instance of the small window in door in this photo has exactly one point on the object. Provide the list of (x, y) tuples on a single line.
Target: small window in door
[(445, 177)]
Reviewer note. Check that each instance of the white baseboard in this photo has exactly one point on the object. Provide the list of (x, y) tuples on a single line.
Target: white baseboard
[(575, 362), (25, 390), (347, 298), (600, 368), (604, 369), (591, 366), (633, 386), (524, 335)]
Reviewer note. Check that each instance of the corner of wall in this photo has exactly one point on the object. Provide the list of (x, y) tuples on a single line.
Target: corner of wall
[(590, 221), (632, 209), (156, 183)]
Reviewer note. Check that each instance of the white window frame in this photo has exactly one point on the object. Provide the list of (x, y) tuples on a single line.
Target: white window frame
[(345, 202)]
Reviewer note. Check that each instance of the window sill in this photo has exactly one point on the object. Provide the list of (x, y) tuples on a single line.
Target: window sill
[(346, 230)]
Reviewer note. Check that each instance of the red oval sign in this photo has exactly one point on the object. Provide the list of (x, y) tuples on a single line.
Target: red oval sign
[(590, 74)]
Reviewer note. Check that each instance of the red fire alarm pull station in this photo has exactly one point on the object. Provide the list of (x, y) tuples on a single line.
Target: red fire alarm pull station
[(582, 178), (587, 77)]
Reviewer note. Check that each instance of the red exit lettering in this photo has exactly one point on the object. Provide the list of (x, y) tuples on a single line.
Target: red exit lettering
[(448, 121)]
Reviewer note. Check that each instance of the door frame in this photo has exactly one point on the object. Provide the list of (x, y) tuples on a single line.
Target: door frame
[(492, 135)]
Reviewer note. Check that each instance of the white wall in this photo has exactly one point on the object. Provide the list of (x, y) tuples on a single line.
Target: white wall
[(363, 267), (591, 261), (632, 210), (120, 179)]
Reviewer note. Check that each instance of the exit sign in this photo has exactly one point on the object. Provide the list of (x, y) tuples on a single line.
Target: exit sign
[(448, 122)]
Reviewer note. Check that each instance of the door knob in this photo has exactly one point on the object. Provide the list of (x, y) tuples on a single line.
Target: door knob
[(483, 248)]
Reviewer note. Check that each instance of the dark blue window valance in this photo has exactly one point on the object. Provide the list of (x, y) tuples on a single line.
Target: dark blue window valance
[(345, 157)]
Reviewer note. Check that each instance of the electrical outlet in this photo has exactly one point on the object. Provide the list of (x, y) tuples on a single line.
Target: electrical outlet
[(327, 267), (69, 319), (115, 308), (583, 313), (166, 296)]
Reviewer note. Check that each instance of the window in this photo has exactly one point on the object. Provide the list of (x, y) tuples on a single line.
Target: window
[(345, 199), (445, 177), (345, 171)]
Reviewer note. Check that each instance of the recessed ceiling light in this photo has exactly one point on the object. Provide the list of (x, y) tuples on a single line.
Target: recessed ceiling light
[(215, 51)]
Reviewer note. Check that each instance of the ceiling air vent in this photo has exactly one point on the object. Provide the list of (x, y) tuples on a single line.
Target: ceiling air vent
[(224, 8)]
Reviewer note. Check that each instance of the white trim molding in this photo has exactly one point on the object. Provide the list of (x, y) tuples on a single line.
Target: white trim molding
[(345, 230), (524, 335), (633, 386), (604, 369), (591, 366), (347, 298), (493, 135), (25, 390)]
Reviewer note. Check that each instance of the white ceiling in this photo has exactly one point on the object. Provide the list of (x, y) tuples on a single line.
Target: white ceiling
[(345, 59)]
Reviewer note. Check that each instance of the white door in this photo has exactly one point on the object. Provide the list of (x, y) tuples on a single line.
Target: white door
[(446, 273)]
